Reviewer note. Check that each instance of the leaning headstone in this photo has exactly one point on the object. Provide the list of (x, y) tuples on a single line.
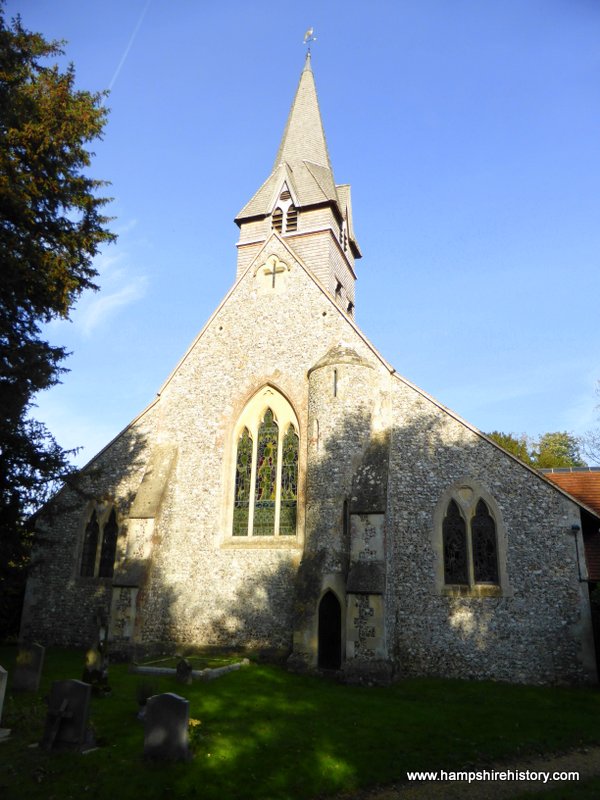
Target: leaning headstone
[(183, 671), (28, 668), (166, 728), (67, 718)]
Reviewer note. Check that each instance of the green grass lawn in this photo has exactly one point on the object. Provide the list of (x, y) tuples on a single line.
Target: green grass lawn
[(265, 733)]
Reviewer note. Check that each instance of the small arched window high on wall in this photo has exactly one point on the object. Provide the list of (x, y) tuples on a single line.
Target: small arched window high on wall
[(99, 543), (265, 497), (291, 220), (277, 220)]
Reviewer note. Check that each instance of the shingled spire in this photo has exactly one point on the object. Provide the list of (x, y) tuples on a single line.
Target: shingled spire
[(300, 199), (304, 138)]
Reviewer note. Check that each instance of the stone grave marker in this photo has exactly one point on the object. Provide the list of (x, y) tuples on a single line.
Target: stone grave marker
[(67, 718), (166, 728), (184, 671), (95, 671), (28, 669)]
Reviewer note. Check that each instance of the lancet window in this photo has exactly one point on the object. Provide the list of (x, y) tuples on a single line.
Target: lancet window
[(265, 499), (99, 543), (284, 218), (277, 220), (470, 545)]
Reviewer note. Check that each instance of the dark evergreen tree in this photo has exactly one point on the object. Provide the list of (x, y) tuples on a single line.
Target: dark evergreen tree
[(51, 227), (517, 445)]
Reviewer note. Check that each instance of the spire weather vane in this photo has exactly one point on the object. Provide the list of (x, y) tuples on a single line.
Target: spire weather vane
[(308, 37)]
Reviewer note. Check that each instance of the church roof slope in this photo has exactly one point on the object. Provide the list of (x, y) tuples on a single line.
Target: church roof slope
[(582, 482)]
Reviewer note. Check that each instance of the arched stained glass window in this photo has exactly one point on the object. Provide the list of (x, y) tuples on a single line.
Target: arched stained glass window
[(109, 547), (455, 546), (243, 482), (266, 476), (266, 457), (483, 539), (90, 546), (289, 483)]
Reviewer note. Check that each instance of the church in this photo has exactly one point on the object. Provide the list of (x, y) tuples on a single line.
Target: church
[(288, 492)]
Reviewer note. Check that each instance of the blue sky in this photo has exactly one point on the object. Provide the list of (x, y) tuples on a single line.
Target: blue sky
[(470, 132)]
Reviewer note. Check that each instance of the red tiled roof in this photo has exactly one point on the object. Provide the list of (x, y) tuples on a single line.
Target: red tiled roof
[(584, 485)]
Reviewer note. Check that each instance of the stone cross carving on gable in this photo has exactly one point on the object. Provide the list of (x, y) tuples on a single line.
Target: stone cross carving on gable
[(276, 266)]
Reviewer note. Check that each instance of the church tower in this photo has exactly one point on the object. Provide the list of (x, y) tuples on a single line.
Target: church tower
[(301, 202)]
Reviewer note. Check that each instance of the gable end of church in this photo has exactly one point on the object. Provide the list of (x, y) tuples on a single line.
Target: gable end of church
[(288, 491)]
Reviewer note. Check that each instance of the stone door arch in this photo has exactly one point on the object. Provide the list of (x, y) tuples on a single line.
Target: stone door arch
[(330, 632)]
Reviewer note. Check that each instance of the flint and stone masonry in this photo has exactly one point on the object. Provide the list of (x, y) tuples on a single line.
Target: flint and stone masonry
[(365, 580)]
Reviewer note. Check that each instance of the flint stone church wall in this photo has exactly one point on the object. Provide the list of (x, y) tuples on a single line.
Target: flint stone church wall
[(538, 629), (202, 586), (59, 604)]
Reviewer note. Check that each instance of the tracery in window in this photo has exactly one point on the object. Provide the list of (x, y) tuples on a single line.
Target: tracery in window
[(265, 500), (266, 477), (243, 475), (289, 483), (483, 537), (455, 546), (470, 546), (100, 543)]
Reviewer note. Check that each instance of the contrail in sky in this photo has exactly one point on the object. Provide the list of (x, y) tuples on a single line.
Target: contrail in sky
[(129, 46)]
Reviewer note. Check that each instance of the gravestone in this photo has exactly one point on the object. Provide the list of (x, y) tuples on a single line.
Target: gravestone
[(166, 728), (28, 668), (183, 671), (67, 718), (95, 671)]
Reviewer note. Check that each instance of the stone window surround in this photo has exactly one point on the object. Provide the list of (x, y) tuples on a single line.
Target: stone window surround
[(103, 509), (268, 396), (466, 494)]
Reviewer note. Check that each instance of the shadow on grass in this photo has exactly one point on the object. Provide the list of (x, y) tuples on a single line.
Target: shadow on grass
[(265, 733)]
